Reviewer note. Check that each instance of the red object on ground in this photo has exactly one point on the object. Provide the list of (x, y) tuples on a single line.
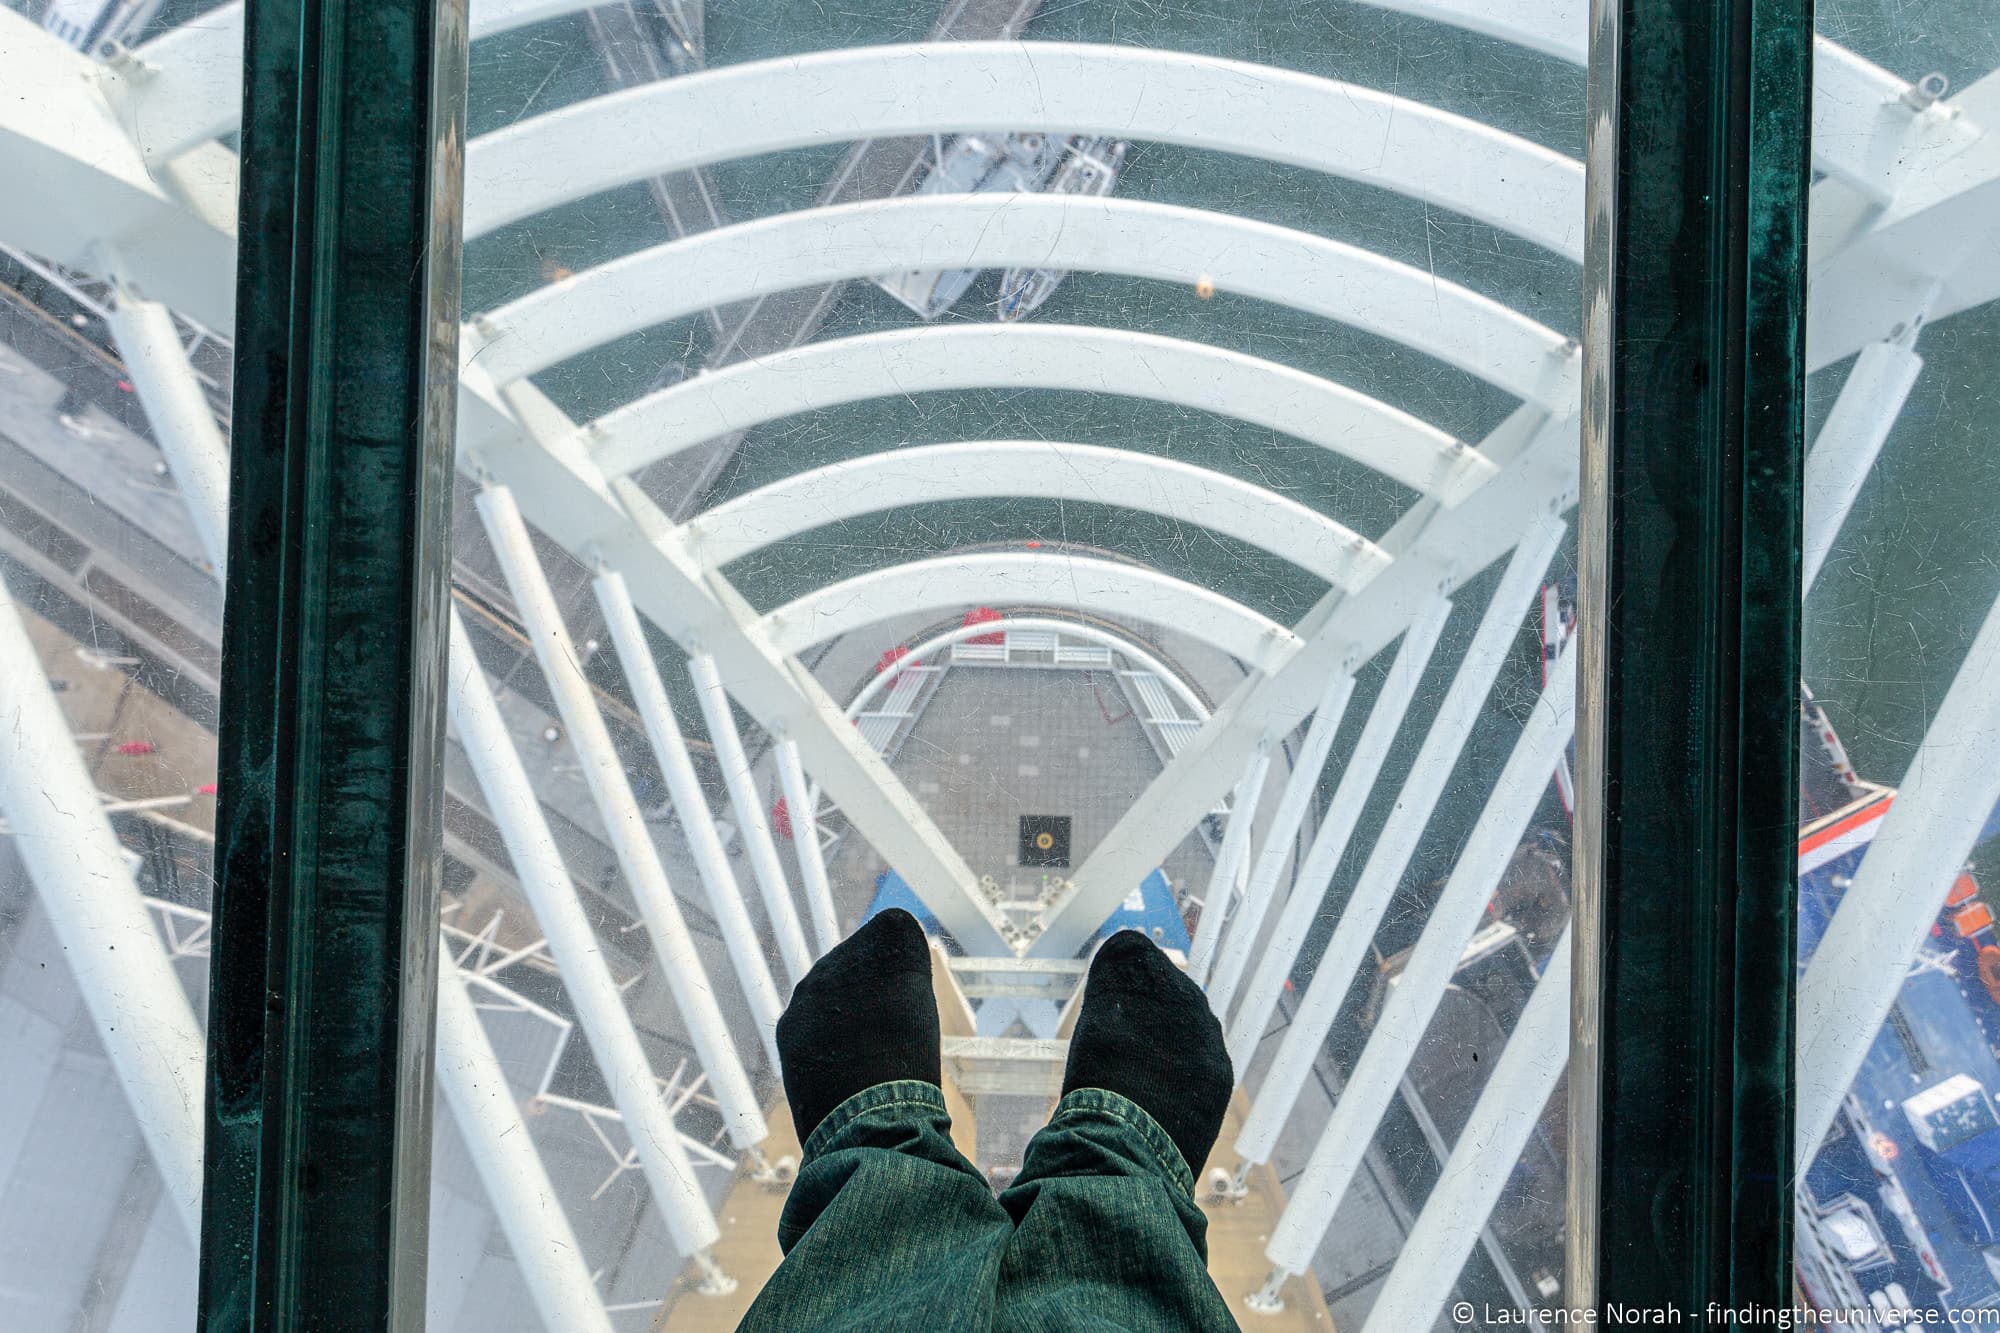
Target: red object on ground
[(136, 747), (781, 819), (984, 615), (1032, 544), (205, 789), (1989, 971), (889, 661)]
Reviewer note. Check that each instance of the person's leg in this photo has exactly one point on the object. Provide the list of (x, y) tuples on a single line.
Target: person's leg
[(1107, 1234), (887, 1226)]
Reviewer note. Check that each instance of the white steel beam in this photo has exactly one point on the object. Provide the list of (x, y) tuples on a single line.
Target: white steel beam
[(79, 190), (186, 85), (1073, 233), (1864, 133), (1382, 875), (1935, 245), (1227, 874), (1414, 999), (1483, 1159), (805, 843), (616, 526), (1120, 362), (1111, 588), (1944, 800), (1197, 101), (752, 825), (178, 410), (1044, 469), (663, 729), (1279, 836), (137, 1006), (1435, 552), (1849, 440), (496, 1138), (600, 1005), (624, 824), (1336, 827)]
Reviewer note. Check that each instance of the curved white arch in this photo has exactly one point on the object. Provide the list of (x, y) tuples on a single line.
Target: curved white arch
[(1042, 469), (925, 232), (1078, 629), (1044, 356), (1199, 101), (1107, 588), (1862, 135)]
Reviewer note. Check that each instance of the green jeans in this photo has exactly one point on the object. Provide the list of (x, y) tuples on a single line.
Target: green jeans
[(889, 1227)]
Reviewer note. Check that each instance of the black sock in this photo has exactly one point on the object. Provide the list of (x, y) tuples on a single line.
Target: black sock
[(865, 1014), (1146, 1033)]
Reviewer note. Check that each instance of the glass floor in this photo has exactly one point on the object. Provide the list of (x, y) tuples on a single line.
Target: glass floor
[(1058, 468)]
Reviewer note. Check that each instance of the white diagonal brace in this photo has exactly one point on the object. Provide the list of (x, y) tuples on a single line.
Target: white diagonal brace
[(624, 824), (752, 825), (600, 1005), (136, 1003), (1435, 552), (1849, 440), (1278, 839), (725, 895), (1483, 1159), (1343, 812), (1859, 967), (1227, 875), (617, 527), (805, 843), (178, 411), (517, 1185), (1451, 726), (1425, 977)]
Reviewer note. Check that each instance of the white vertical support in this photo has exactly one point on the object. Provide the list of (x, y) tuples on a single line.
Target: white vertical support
[(1397, 843), (805, 843), (663, 729), (525, 1202), (1343, 812), (1850, 439), (1278, 839), (1945, 798), (1229, 858), (136, 1003), (1414, 999), (751, 822), (624, 824), (600, 1005), (179, 414), (1483, 1159)]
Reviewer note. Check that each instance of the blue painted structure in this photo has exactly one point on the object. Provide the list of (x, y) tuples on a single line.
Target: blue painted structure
[(1900, 1209), (1150, 908)]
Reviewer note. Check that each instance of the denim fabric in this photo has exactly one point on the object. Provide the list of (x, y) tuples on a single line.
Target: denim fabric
[(889, 1227)]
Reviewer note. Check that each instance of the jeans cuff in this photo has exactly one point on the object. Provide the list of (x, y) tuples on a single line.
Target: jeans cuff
[(1086, 1102), (912, 1092)]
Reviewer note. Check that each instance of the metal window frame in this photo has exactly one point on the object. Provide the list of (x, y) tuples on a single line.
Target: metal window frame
[(1680, 1089), (324, 972)]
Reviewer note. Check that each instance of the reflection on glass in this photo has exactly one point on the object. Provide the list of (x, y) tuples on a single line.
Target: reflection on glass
[(1899, 991), (113, 395)]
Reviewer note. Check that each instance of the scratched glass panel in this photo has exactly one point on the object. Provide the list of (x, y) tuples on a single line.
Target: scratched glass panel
[(1899, 1010), (116, 273), (1058, 468)]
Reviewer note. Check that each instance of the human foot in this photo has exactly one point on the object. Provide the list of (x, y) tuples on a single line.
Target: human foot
[(865, 1014), (1146, 1033)]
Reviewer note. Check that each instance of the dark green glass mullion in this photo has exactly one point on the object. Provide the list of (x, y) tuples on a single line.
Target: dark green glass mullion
[(1687, 849), (328, 860)]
